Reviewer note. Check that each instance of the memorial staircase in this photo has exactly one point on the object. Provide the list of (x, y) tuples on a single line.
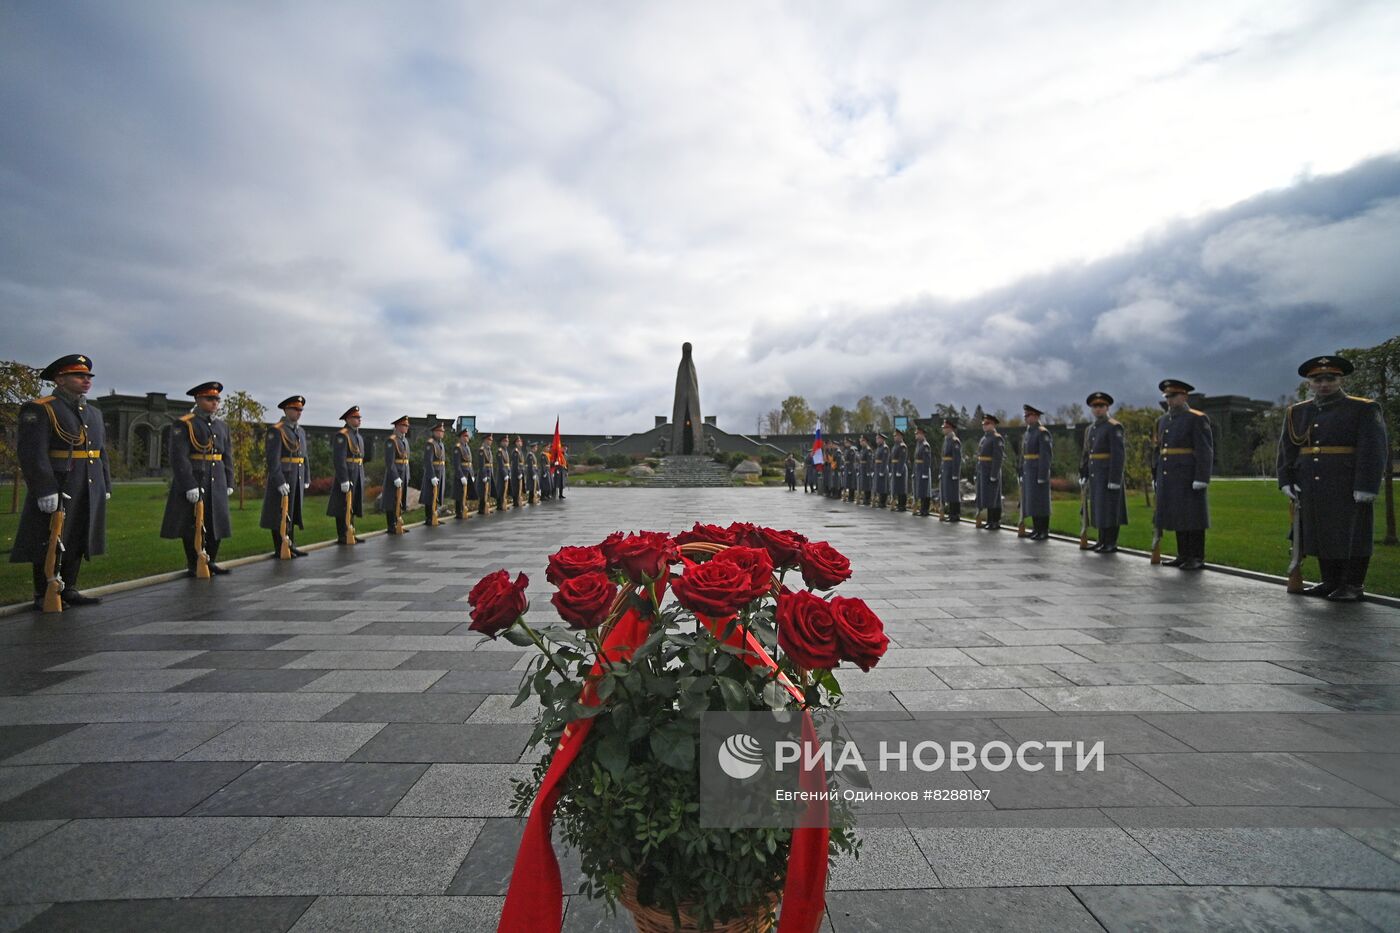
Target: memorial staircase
[(688, 470)]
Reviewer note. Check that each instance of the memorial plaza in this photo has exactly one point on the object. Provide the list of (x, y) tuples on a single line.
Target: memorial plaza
[(323, 745)]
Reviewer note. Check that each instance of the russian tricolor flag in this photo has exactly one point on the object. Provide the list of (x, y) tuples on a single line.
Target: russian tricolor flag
[(817, 457)]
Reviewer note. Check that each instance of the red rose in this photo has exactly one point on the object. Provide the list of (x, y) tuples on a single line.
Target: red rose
[(570, 562), (717, 589), (707, 534), (807, 629), (755, 562), (783, 546), (608, 545), (823, 567), (644, 556), (859, 632), (496, 602), (583, 601), (742, 532)]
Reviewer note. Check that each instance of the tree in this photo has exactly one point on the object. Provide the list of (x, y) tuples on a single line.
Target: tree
[(1377, 376), (798, 414), (909, 410), (18, 384), (834, 420), (1262, 437), (865, 415), (246, 425), (773, 421), (1073, 413), (1139, 428)]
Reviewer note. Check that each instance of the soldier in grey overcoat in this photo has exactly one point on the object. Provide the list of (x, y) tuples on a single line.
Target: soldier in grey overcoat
[(502, 474), (899, 473), (288, 474), (1036, 451), (393, 499), (1102, 468), (852, 469), (809, 474), (882, 470), (1332, 455), (201, 462), (867, 470), (1184, 452), (348, 455), (561, 469), (546, 474), (923, 471), (517, 471), (63, 453), (434, 485), (485, 462), (950, 472), (991, 454)]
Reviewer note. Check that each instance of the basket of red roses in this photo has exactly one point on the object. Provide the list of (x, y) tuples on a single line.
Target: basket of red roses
[(655, 631)]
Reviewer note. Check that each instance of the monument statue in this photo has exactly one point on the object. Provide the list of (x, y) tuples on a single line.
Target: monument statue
[(686, 423)]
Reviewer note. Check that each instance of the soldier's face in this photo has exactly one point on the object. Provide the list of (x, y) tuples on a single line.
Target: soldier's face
[(1032, 419), (292, 413), (207, 403), (75, 383), (1175, 399), (400, 429), (1325, 384), (947, 430), (353, 421), (1099, 409), (988, 427)]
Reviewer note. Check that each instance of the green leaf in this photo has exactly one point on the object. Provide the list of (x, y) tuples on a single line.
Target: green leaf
[(775, 695), (614, 754), (736, 696), (516, 637), (828, 680), (606, 686), (674, 746)]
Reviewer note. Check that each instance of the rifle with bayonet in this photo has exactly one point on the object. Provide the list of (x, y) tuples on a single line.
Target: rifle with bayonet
[(53, 592)]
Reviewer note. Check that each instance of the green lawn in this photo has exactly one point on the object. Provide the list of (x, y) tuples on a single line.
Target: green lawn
[(136, 549), (1249, 529)]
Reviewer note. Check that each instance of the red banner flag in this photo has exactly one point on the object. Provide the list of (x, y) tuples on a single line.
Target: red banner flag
[(556, 449)]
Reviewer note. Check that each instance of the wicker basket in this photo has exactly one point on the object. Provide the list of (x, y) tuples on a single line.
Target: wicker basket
[(657, 920)]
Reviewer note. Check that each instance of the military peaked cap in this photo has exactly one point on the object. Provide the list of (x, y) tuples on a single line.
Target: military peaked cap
[(1099, 398), (1031, 410), (292, 401), (990, 417), (352, 412), (950, 422), (1174, 385), (401, 419), (440, 426), (206, 388), (73, 363), (466, 431), (1324, 365)]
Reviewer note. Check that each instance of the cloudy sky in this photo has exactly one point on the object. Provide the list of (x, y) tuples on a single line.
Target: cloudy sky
[(523, 209)]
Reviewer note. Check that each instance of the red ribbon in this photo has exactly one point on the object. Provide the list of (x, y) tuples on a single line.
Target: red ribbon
[(534, 901)]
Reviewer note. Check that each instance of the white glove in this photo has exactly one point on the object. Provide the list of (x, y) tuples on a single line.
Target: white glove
[(1114, 486), (191, 495), (1198, 485), (345, 486), (1083, 480), (228, 490), (398, 483), (48, 504), (1040, 482), (1290, 491), (994, 479), (1364, 497), (435, 480), (108, 495), (305, 486), (284, 489)]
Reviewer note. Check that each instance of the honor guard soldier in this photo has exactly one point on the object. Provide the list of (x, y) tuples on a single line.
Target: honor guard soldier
[(287, 478), (1101, 472), (882, 471), (1332, 455), (532, 462), (561, 470), (394, 498), (809, 474), (852, 469), (991, 453), (464, 472), (950, 472), (62, 454), (434, 474), (1035, 474), (517, 471), (485, 461), (1185, 453), (899, 473), (867, 471), (502, 475), (790, 472), (197, 509), (546, 474), (348, 461), (923, 471)]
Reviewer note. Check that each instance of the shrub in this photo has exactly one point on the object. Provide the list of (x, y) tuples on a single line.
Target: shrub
[(1063, 484), (321, 486), (617, 461), (734, 459)]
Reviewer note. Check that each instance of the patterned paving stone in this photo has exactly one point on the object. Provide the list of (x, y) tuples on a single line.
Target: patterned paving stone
[(135, 741), (463, 790), (405, 707), (1270, 856), (397, 914), (249, 681), (967, 910), (286, 741), (163, 915), (443, 743), (302, 788), (965, 858), (1208, 909), (165, 788)]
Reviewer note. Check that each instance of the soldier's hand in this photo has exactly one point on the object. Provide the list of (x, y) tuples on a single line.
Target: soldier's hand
[(1198, 485), (434, 480), (108, 495), (1083, 480), (398, 483), (284, 489), (1290, 491), (345, 486), (228, 490), (1040, 482), (48, 504), (1364, 497), (192, 495), (1115, 486), (305, 487)]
